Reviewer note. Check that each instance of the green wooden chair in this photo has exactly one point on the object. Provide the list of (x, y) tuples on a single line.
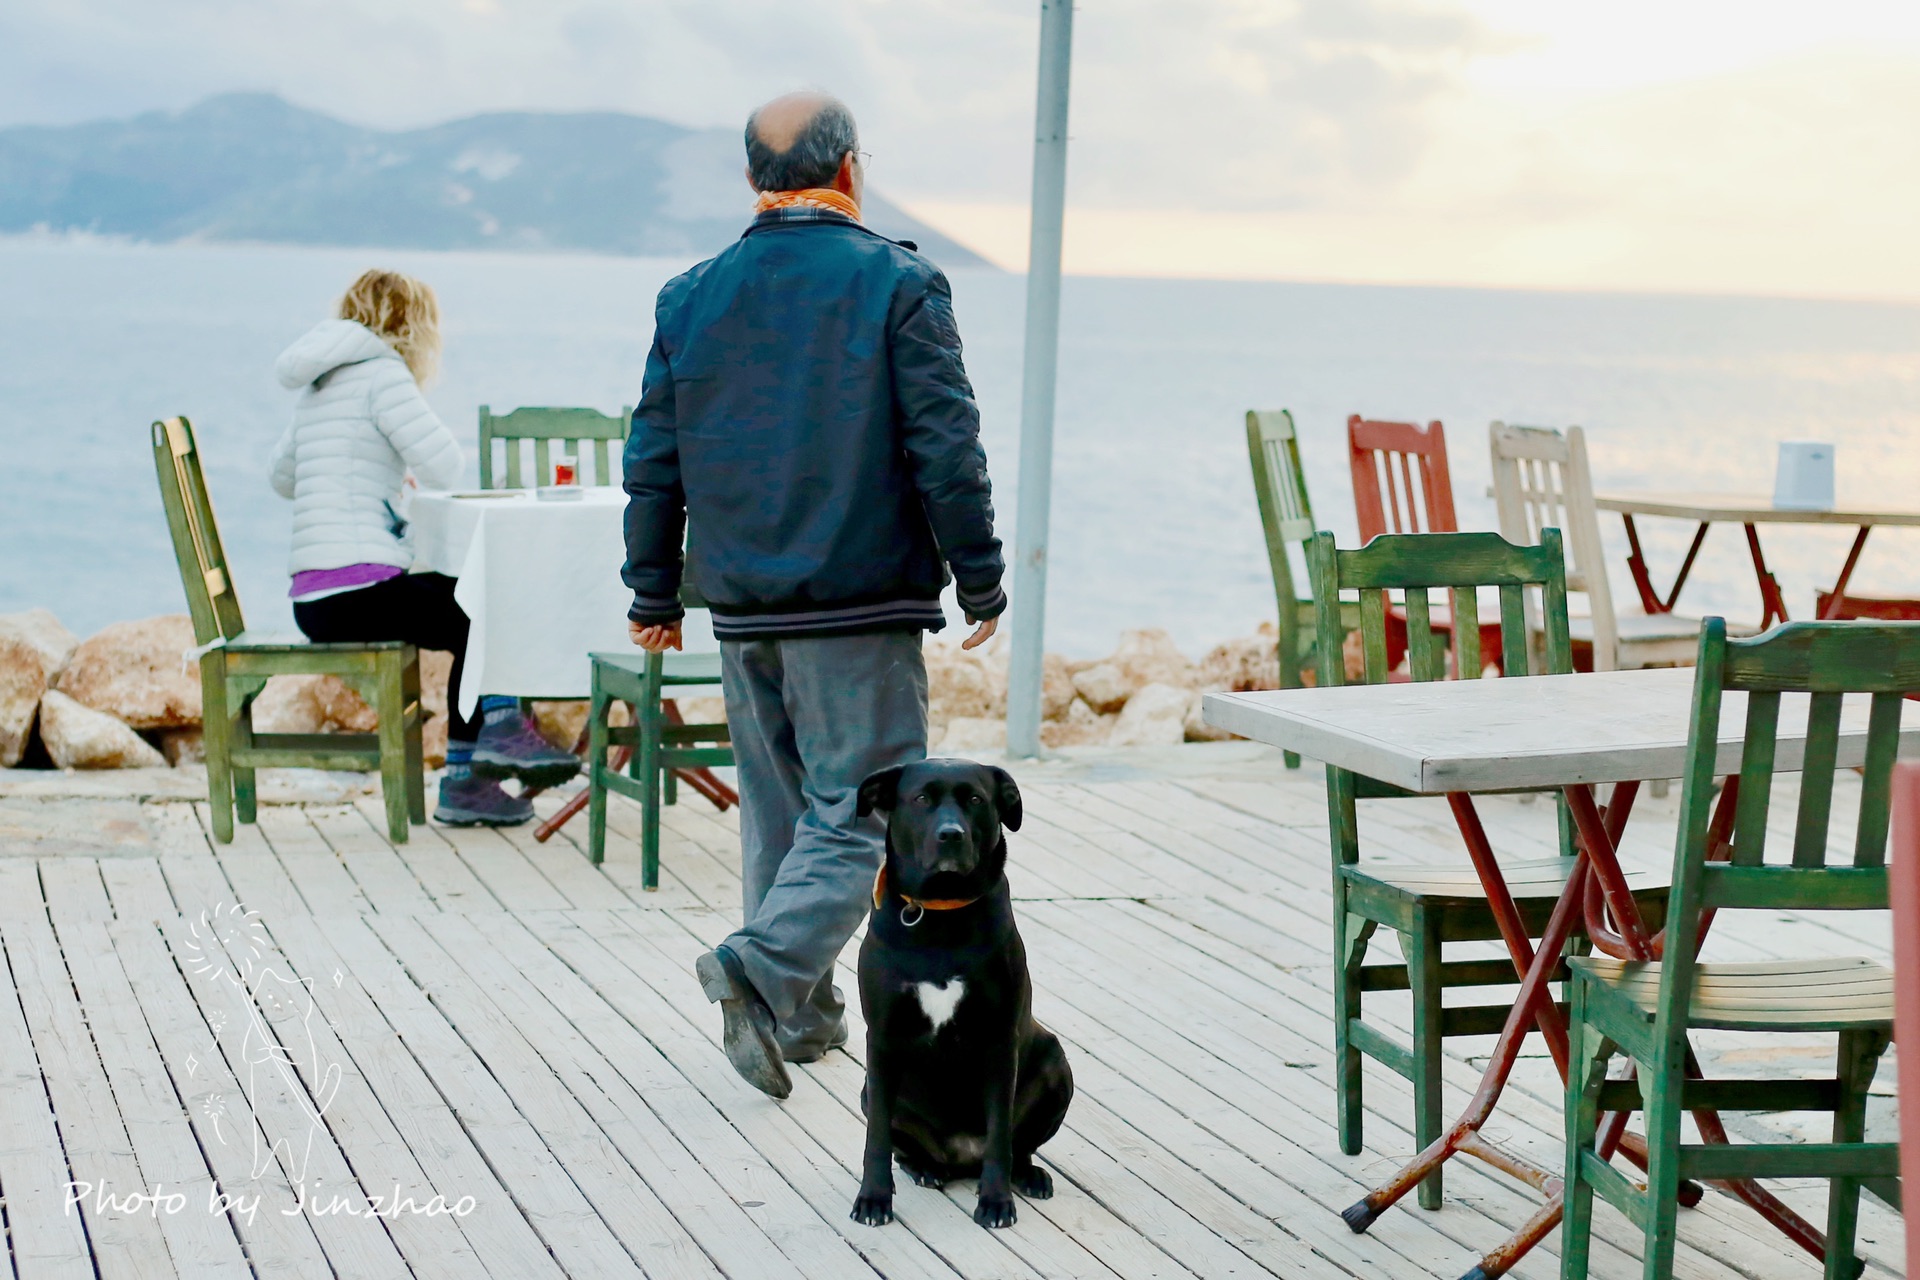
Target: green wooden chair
[(1645, 1010), (660, 743), (236, 663), (581, 432), (1426, 906), (1286, 518)]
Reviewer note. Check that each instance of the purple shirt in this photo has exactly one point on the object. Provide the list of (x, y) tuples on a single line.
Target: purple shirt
[(311, 584)]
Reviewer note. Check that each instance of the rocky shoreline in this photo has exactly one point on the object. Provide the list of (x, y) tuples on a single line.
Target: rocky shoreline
[(129, 696)]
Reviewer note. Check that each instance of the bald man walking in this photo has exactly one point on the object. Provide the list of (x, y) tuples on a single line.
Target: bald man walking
[(807, 423)]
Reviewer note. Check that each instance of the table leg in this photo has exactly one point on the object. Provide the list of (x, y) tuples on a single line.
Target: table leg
[(1534, 1006), (1838, 599), (1643, 579), (1773, 606)]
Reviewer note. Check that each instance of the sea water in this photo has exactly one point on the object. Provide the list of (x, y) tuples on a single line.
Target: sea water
[(1154, 521)]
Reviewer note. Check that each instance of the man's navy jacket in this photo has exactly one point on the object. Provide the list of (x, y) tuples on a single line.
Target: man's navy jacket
[(807, 423)]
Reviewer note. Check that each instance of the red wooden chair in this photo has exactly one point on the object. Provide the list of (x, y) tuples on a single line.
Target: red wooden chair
[(1392, 463)]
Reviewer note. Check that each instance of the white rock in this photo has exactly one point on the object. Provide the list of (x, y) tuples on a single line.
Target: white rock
[(963, 684), (79, 737), (23, 680), (133, 672), (183, 746), (1103, 686), (973, 733), (1150, 656), (1198, 730), (1154, 717), (45, 632), (1057, 693), (1243, 663)]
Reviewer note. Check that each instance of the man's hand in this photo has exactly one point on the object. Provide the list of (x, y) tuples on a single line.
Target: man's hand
[(654, 639), (982, 632)]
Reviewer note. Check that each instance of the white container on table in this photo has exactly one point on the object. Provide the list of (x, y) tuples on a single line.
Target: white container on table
[(1804, 478)]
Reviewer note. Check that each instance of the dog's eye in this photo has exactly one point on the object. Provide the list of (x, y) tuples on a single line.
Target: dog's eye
[(975, 800), (923, 799)]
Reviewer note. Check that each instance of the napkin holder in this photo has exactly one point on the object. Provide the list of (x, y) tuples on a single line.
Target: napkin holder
[(1804, 478)]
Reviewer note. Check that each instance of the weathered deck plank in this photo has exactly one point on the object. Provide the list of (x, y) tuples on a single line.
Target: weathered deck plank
[(519, 1026)]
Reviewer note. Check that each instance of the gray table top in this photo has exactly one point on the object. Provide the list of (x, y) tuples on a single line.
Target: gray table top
[(1540, 731)]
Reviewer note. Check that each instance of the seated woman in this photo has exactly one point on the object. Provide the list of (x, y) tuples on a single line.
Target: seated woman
[(360, 426)]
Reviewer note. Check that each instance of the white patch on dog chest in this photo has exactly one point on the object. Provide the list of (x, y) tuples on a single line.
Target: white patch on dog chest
[(939, 1001)]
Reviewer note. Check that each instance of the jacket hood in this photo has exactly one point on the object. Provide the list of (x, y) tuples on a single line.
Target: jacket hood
[(326, 347)]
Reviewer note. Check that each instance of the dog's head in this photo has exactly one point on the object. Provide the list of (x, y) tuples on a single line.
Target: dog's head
[(944, 821)]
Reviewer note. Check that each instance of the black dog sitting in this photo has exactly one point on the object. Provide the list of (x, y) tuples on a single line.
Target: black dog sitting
[(961, 1081)]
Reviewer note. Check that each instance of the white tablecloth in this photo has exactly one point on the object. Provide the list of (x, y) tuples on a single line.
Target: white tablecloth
[(540, 580)]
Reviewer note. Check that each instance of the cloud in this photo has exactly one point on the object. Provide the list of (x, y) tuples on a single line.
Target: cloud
[(1229, 104)]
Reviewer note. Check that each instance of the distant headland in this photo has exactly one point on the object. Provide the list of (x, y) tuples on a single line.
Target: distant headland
[(254, 167)]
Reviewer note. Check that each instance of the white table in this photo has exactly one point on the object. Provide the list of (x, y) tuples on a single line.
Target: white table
[(1570, 732), (540, 581), (1749, 511), (1507, 735)]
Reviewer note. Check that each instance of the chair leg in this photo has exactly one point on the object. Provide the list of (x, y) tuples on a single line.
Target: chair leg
[(1859, 1053), (1421, 946), (217, 729), (1351, 934), (597, 766), (1586, 1068), (1661, 1087), (246, 787), (390, 706), (647, 762), (416, 752), (670, 782)]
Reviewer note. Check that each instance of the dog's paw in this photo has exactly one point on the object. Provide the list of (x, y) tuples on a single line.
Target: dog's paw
[(873, 1210), (921, 1179), (995, 1211), (1033, 1182)]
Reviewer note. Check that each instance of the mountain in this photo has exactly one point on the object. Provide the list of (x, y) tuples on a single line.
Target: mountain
[(248, 166)]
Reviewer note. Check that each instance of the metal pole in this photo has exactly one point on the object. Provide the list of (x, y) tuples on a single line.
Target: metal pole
[(1036, 391)]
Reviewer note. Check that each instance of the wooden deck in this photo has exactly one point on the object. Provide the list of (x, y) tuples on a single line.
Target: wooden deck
[(311, 1012)]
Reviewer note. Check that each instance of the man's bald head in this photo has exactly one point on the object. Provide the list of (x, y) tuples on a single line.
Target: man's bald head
[(799, 140)]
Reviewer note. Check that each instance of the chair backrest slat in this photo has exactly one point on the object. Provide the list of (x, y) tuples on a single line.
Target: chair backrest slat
[(204, 573), (1513, 629), (1401, 482), (1286, 518), (1541, 479), (1876, 781), (1816, 781), (1373, 635), (1756, 779), (572, 429), (1424, 660), (1464, 604)]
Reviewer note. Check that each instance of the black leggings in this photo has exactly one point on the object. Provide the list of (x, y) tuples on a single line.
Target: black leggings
[(416, 607)]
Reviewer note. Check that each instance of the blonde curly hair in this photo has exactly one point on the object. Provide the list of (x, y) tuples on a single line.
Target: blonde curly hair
[(401, 310)]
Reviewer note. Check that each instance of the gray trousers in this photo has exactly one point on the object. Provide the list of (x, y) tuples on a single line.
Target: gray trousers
[(811, 717)]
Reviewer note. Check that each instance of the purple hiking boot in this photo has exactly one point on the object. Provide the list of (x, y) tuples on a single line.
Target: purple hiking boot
[(479, 802), (515, 749)]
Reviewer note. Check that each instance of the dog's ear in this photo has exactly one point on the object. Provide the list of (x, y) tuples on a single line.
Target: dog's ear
[(880, 791), (1006, 795)]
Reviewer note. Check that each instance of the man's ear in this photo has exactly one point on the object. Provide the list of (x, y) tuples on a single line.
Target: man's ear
[(880, 791), (1006, 795)]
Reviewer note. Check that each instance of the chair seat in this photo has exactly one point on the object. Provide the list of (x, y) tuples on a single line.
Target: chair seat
[(1771, 995), (1651, 628), (266, 642), (676, 668), (1540, 880)]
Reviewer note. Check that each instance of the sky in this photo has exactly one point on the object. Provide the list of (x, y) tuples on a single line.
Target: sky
[(1726, 146)]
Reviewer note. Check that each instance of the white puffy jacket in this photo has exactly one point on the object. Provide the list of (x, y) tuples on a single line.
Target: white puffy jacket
[(359, 426)]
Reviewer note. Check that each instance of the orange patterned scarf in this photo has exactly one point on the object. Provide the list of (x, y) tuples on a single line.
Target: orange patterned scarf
[(810, 198)]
